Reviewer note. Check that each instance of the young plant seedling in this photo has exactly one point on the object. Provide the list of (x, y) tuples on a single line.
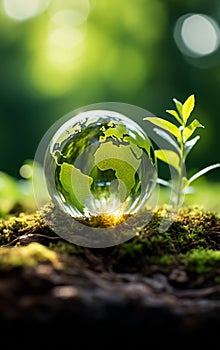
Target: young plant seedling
[(179, 137)]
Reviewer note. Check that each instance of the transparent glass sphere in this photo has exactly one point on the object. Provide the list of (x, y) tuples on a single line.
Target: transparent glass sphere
[(100, 162)]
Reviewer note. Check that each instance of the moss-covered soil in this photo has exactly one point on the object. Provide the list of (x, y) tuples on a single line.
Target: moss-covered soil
[(188, 253), (160, 287)]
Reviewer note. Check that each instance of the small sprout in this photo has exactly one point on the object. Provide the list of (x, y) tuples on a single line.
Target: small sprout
[(179, 137)]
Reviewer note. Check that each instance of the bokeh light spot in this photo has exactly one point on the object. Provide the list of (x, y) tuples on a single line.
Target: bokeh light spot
[(80, 6), (69, 17), (197, 35), (26, 171), (24, 9), (66, 37)]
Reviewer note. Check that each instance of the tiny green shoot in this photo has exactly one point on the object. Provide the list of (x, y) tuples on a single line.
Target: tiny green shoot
[(178, 135)]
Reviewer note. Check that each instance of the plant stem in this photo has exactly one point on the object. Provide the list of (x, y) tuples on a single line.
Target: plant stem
[(179, 189)]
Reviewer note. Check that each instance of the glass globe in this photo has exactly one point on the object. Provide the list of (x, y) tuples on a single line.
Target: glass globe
[(100, 162)]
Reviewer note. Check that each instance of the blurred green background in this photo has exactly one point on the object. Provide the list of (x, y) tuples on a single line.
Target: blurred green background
[(56, 56)]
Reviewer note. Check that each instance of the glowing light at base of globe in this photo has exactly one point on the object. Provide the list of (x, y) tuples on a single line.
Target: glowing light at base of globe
[(100, 163)]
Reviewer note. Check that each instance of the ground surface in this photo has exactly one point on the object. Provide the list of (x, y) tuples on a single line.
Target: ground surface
[(155, 288)]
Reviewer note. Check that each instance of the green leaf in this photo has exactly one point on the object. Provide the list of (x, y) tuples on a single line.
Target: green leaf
[(188, 107), (165, 124), (190, 144), (175, 115), (189, 130), (203, 171), (169, 157), (179, 106), (76, 184), (168, 138)]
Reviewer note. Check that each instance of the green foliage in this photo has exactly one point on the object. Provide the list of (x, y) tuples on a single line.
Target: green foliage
[(40, 72), (179, 138), (16, 194), (8, 193)]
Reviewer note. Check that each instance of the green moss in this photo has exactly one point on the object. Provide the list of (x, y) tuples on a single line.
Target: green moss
[(165, 260), (191, 243), (14, 227), (184, 245), (202, 260), (190, 228), (29, 255)]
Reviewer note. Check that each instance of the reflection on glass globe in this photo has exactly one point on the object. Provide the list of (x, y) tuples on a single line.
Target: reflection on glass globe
[(100, 162)]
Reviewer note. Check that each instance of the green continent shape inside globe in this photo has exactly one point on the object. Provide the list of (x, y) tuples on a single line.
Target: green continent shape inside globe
[(76, 184), (122, 160)]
